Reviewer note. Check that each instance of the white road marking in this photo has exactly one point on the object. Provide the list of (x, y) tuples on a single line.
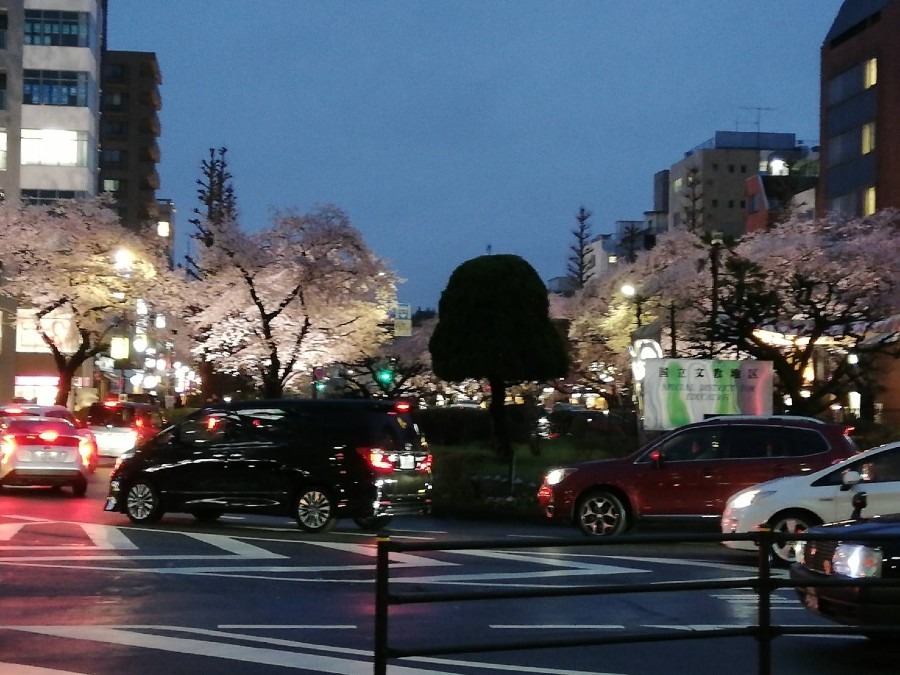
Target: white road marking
[(9, 530), (235, 546), (572, 566), (544, 626), (19, 669), (128, 636), (249, 626), (106, 537)]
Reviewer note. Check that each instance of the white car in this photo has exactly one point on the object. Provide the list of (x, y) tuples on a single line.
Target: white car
[(796, 503)]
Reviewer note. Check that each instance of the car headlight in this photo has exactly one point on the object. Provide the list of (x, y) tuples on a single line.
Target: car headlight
[(745, 498), (857, 561), (556, 476)]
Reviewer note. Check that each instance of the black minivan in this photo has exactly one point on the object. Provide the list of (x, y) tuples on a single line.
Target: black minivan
[(315, 460)]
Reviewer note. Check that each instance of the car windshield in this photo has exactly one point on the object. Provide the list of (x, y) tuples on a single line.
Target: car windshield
[(112, 416), (35, 425), (37, 411)]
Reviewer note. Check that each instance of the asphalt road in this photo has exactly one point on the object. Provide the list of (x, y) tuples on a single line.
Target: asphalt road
[(83, 591)]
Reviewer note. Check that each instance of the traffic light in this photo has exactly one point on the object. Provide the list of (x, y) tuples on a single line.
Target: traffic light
[(320, 377), (385, 375)]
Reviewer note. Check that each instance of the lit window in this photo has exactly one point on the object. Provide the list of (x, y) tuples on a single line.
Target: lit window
[(869, 202), (613, 259), (778, 167), (868, 137), (162, 228), (870, 73), (3, 149), (112, 185), (676, 185), (54, 147)]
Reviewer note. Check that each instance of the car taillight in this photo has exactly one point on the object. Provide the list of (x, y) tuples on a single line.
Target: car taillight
[(849, 430), (377, 458), (425, 465), (7, 447), (48, 436), (85, 450), (402, 407)]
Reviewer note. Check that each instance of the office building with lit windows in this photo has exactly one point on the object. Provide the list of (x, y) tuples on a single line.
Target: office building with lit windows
[(49, 75), (860, 109), (76, 119), (50, 55)]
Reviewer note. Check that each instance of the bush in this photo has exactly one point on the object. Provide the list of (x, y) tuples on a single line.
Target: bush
[(470, 482), (464, 426)]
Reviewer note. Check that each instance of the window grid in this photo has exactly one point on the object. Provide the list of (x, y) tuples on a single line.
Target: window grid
[(57, 29), (55, 87)]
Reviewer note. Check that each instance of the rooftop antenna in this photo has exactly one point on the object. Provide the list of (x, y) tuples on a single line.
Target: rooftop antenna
[(488, 249), (759, 111)]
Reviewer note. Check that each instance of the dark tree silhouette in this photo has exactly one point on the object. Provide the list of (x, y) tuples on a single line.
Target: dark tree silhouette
[(494, 324), (579, 268), (218, 204)]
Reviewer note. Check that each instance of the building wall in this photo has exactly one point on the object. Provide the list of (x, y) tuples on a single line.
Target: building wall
[(861, 31), (758, 205), (27, 370), (130, 104), (722, 176)]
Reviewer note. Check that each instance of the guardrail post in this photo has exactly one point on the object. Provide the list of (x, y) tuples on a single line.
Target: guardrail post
[(764, 603), (381, 605)]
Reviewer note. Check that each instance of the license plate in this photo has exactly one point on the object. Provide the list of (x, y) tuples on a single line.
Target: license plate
[(407, 462)]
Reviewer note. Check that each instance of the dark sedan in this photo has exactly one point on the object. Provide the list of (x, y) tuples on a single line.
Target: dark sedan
[(858, 554)]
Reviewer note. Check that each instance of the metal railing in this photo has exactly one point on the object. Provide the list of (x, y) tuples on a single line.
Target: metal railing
[(763, 583)]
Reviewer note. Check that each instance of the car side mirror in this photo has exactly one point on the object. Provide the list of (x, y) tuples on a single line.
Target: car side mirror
[(849, 479)]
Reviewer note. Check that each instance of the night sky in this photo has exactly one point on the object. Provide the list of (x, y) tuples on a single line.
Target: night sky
[(445, 128)]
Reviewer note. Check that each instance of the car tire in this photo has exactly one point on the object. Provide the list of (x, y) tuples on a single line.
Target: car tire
[(315, 510), (207, 515), (79, 488), (143, 503), (600, 513), (373, 523), (793, 522)]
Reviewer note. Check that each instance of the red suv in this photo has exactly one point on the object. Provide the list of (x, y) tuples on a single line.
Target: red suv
[(691, 471)]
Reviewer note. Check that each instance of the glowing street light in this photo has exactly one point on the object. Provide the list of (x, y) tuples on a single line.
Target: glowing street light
[(630, 291)]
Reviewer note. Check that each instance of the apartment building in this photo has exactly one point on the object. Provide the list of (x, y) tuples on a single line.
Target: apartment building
[(129, 132), (49, 115), (859, 104), (860, 131), (50, 85), (707, 188)]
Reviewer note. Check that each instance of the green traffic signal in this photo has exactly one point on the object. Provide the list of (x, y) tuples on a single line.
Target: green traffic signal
[(385, 375)]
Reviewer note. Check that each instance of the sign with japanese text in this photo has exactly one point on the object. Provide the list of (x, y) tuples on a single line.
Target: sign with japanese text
[(681, 391)]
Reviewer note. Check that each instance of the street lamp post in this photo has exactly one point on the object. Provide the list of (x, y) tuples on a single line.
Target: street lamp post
[(631, 292), (673, 352)]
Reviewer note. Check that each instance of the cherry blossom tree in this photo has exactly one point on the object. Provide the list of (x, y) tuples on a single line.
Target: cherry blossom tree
[(304, 292), (804, 290), (809, 290), (78, 274)]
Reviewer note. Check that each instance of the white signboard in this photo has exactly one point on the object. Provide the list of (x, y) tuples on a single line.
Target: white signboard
[(57, 325), (680, 391)]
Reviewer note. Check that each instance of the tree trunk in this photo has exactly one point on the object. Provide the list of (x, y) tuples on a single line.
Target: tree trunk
[(497, 410)]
